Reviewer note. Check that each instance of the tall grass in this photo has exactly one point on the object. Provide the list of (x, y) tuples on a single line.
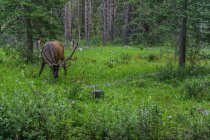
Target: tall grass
[(142, 107)]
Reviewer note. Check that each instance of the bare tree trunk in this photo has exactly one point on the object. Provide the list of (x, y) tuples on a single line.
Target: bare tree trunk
[(183, 36), (111, 20), (108, 13), (68, 22), (78, 19), (82, 19), (87, 20), (105, 22), (29, 41), (126, 22)]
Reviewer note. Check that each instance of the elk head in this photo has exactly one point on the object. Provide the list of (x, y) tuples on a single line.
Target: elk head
[(52, 54)]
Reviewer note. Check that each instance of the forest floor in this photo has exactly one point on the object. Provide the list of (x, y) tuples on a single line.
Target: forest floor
[(144, 97)]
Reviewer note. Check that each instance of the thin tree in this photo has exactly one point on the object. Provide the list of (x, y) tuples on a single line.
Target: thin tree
[(126, 23), (105, 20), (108, 14), (29, 34), (111, 16), (87, 20), (183, 35), (78, 19), (29, 39), (68, 22)]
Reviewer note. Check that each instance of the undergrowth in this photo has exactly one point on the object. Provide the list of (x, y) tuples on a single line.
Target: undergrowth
[(173, 106)]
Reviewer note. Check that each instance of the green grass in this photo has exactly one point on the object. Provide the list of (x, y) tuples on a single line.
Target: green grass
[(134, 106)]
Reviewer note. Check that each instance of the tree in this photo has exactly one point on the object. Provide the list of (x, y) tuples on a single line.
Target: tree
[(87, 20), (29, 20), (108, 20), (68, 21), (126, 24), (183, 35)]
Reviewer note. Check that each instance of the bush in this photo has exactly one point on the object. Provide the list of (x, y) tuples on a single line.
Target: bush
[(170, 72), (125, 58), (196, 127), (149, 122), (195, 89), (152, 57), (122, 123), (34, 116)]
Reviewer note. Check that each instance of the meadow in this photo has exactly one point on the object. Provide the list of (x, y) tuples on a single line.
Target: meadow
[(145, 96)]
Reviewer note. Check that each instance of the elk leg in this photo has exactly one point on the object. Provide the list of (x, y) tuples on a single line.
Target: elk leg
[(42, 67), (64, 67)]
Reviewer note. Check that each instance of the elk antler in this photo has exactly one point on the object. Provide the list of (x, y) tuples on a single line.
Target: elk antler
[(74, 49), (38, 45)]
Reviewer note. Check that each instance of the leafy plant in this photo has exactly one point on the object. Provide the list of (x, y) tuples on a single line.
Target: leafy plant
[(195, 89), (170, 72), (152, 57), (125, 58)]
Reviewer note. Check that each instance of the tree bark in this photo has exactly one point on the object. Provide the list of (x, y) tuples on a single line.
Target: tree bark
[(29, 40), (105, 26), (125, 27), (108, 13), (87, 20), (112, 16), (78, 19), (183, 36), (68, 22)]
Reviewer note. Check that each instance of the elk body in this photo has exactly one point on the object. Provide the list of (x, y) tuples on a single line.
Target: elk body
[(52, 54)]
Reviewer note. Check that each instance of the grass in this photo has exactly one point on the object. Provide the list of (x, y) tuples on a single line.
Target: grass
[(133, 107)]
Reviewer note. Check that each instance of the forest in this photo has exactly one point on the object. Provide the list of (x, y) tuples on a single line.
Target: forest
[(104, 69)]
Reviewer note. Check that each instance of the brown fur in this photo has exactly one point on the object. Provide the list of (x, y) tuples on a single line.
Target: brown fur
[(53, 52), (53, 55)]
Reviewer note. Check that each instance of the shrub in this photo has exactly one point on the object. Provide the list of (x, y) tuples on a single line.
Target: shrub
[(170, 72), (122, 123), (122, 59), (152, 57), (125, 58), (195, 89), (39, 116), (195, 126), (149, 122)]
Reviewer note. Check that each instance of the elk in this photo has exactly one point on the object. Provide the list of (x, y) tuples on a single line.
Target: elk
[(52, 54)]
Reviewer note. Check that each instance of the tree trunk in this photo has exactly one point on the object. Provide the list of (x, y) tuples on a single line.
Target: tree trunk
[(105, 22), (68, 22), (87, 20), (112, 16), (108, 13), (78, 19), (125, 27), (29, 41), (183, 36)]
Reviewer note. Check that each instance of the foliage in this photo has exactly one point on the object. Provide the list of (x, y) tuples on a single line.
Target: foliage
[(136, 107), (23, 22), (195, 89), (171, 72)]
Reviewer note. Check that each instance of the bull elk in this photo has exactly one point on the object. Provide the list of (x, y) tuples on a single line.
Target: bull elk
[(52, 54)]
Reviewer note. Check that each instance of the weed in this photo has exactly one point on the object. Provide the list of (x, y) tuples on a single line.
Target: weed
[(139, 108), (125, 58), (195, 89), (152, 57), (170, 72)]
